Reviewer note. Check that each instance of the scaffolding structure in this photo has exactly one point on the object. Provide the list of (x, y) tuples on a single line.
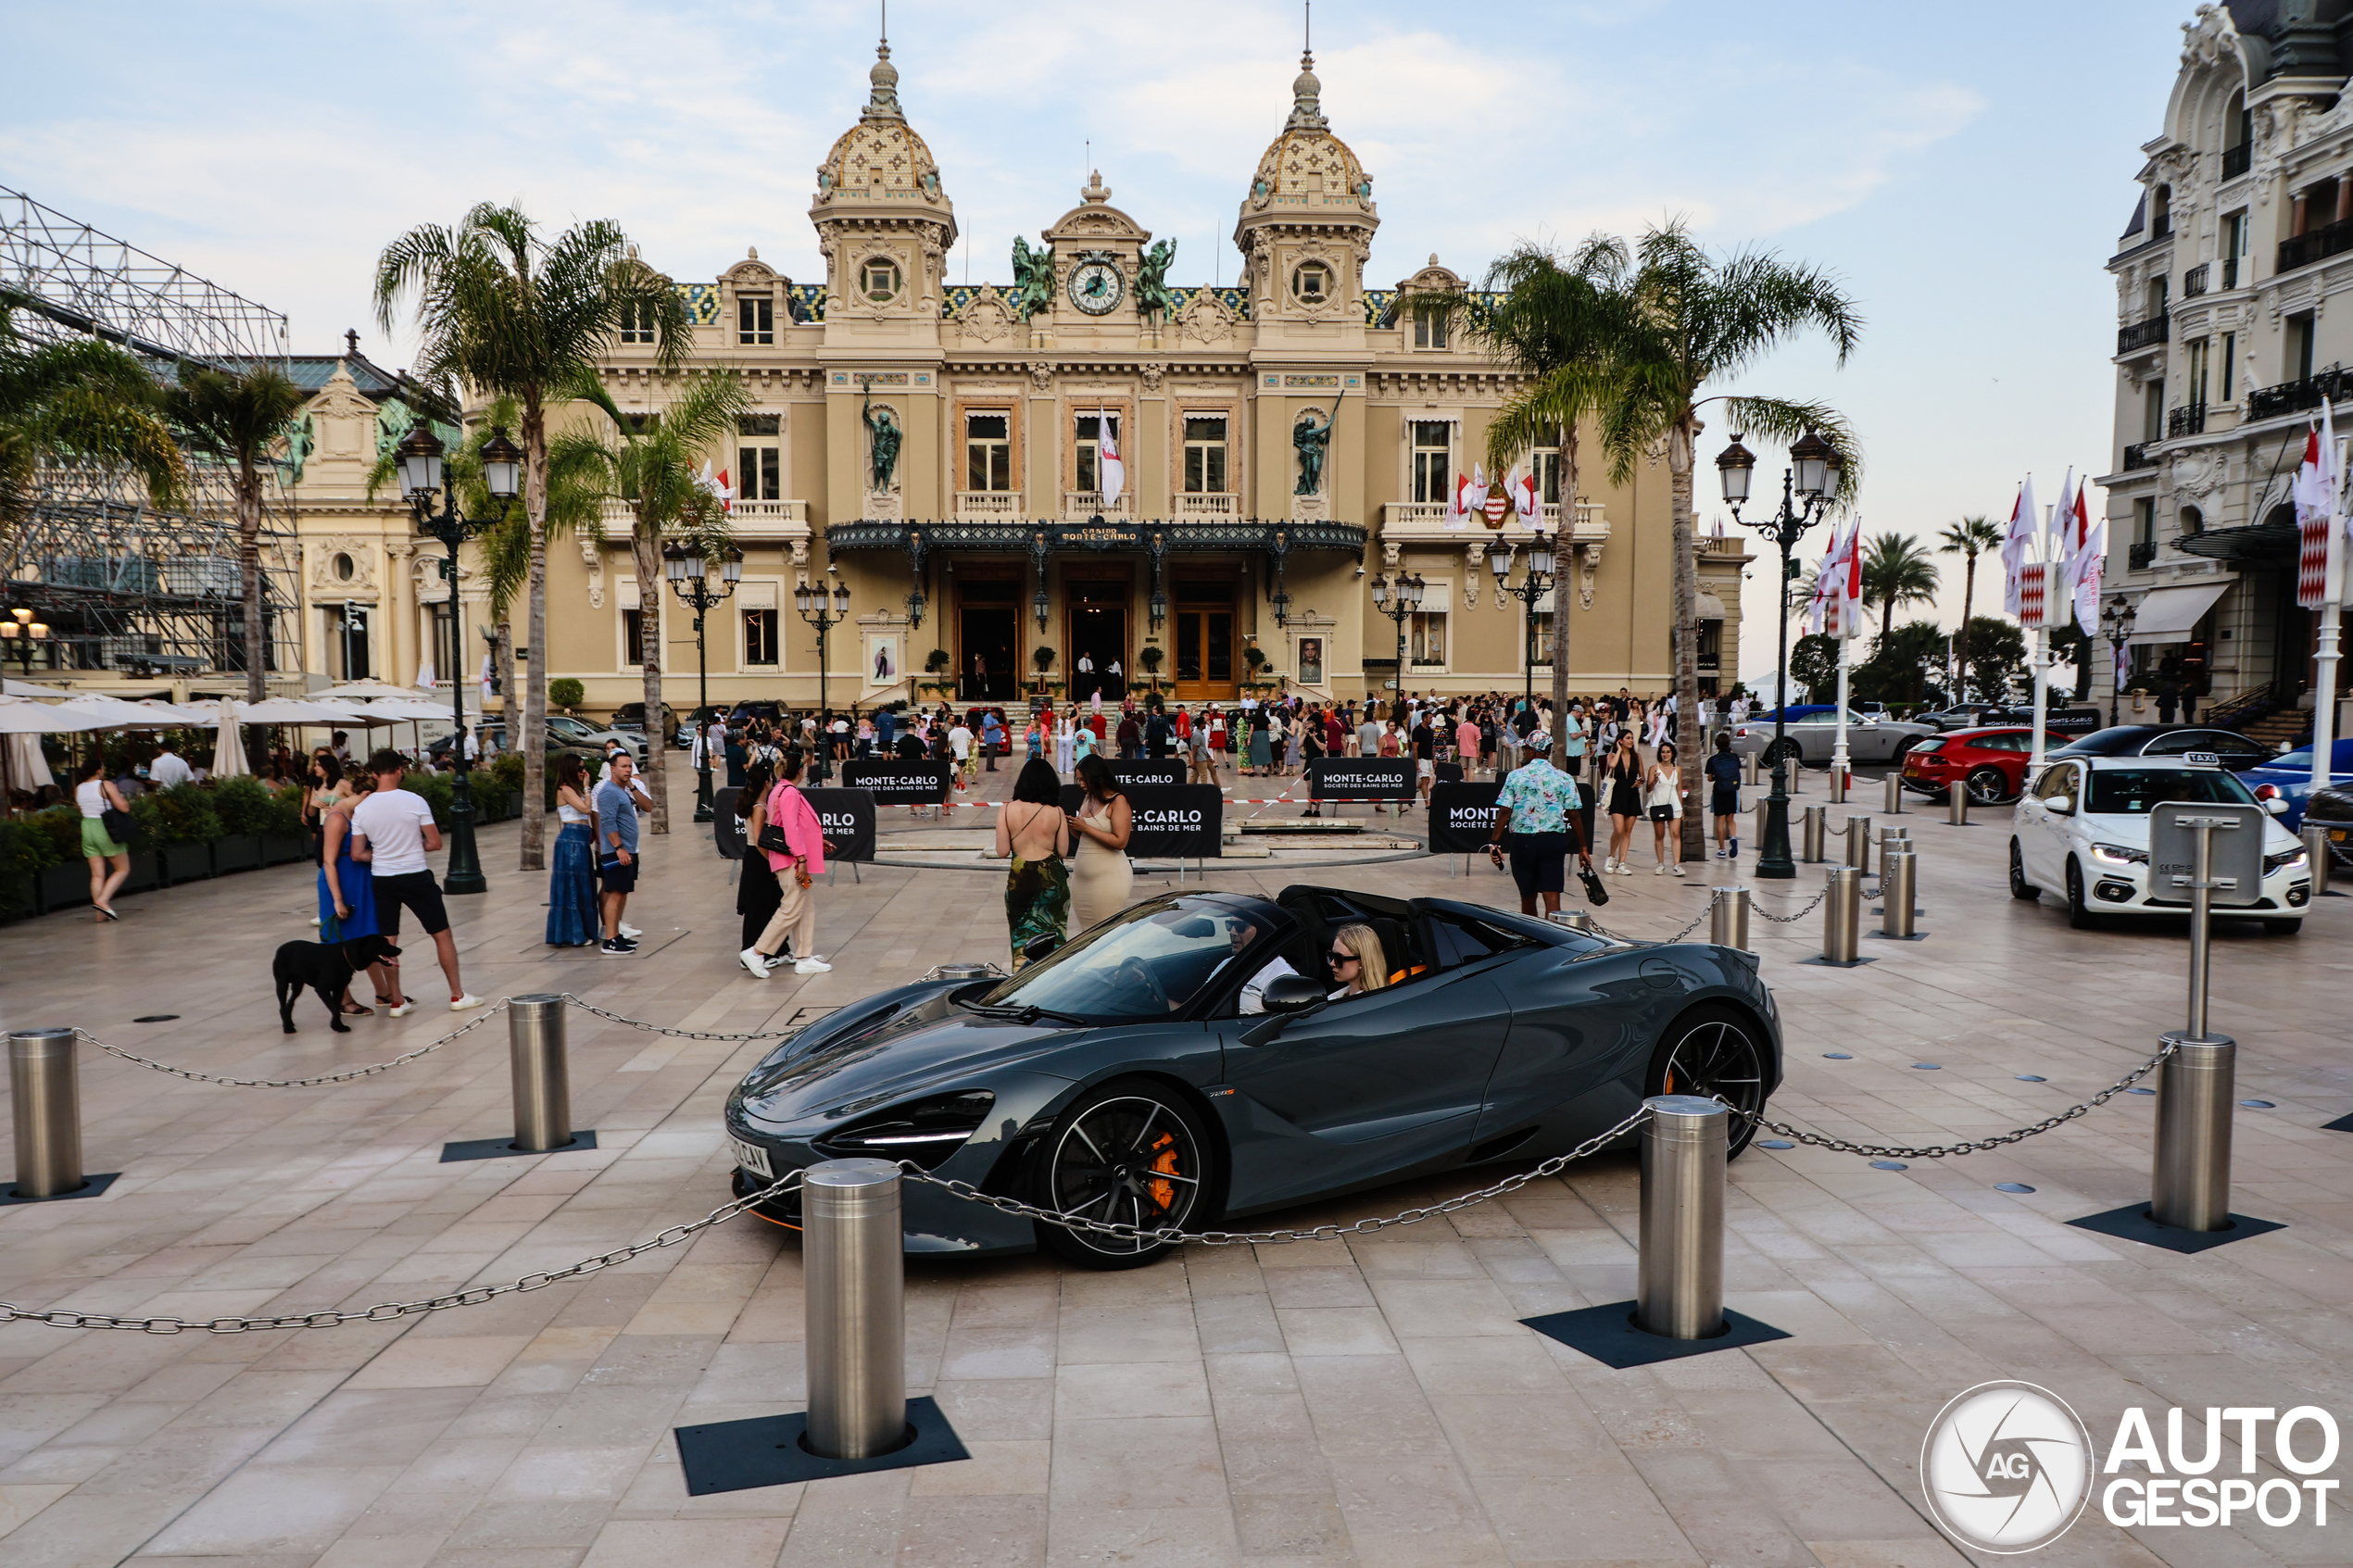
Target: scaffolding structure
[(124, 586)]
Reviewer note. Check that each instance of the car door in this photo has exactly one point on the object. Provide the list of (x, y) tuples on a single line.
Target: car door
[(2054, 832), (1367, 1086)]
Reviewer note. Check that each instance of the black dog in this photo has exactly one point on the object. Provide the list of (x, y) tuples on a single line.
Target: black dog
[(326, 968)]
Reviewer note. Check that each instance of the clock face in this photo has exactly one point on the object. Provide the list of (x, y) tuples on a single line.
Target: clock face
[(1095, 286)]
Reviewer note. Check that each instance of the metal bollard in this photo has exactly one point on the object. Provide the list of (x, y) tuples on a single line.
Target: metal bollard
[(1762, 813), (2190, 1180), (1956, 803), (1894, 794), (1679, 1292), (1576, 920), (855, 1285), (1843, 915), (1859, 844), (542, 1072), (1748, 769), (1838, 785), (2316, 858), (1897, 885), (44, 1079), (1816, 832), (1728, 918)]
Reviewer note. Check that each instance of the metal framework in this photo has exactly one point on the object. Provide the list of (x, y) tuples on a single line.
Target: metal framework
[(122, 586)]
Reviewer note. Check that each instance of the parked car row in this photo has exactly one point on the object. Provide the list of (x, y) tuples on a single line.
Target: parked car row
[(1811, 737), (1990, 761), (564, 733)]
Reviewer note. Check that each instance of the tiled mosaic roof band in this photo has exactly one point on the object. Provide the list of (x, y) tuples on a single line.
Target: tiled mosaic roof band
[(808, 301)]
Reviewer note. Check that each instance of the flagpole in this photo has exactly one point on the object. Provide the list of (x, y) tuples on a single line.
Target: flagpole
[(1838, 770), (2041, 656)]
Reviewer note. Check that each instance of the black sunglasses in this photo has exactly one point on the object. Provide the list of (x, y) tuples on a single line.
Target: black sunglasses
[(1340, 957)]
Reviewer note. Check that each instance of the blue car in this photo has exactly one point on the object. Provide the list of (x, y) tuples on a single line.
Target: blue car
[(2289, 778)]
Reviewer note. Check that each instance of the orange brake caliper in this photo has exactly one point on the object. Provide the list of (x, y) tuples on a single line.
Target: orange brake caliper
[(1164, 1193)]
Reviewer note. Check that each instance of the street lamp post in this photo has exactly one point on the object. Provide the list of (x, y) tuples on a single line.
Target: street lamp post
[(1397, 600), (825, 614), (420, 454), (1533, 586), (21, 633), (688, 568), (2116, 621), (1809, 488)]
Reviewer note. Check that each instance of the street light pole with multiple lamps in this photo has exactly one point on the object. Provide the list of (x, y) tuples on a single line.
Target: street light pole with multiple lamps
[(688, 565), (1534, 583), (1398, 600), (825, 613)]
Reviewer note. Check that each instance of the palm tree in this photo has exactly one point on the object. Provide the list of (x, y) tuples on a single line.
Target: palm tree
[(1969, 538), (1896, 571), (1561, 324), (503, 311), (77, 399), (1701, 320), (650, 468), (238, 419)]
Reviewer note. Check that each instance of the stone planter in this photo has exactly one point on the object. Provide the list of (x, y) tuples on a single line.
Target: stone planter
[(236, 852), (62, 888), (186, 863), (515, 803), (283, 849)]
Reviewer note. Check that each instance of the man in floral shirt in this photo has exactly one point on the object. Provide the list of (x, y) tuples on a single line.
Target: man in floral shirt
[(1537, 805)]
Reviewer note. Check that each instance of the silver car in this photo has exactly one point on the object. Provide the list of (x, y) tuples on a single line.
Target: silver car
[(1811, 738)]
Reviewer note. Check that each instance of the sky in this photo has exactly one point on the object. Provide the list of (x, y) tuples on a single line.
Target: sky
[(1963, 169)]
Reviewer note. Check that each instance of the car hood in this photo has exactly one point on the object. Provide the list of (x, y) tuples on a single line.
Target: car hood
[(927, 1042)]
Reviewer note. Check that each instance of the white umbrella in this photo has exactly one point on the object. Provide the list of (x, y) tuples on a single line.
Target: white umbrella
[(191, 717), (293, 711), (228, 746), (21, 762), (113, 713), (18, 717), (29, 688), (365, 691)]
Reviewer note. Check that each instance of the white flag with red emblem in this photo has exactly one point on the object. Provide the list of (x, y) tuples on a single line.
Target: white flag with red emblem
[(1524, 497), (2018, 550), (2086, 553), (2320, 563), (716, 486), (1459, 509), (1108, 468)]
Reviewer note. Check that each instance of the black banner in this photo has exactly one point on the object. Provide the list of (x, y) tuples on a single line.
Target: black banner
[(1176, 820), (1361, 778), (1462, 817), (900, 783), (1146, 771), (1447, 773), (848, 818), (727, 832)]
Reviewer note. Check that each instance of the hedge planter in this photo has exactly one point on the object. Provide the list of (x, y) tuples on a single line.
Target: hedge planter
[(186, 863), (236, 852), (515, 803), (144, 874), (283, 849), (61, 887)]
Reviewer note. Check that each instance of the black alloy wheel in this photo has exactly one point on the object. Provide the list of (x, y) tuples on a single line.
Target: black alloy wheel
[(1716, 1052), (2019, 886), (1986, 787), (1128, 1153), (2078, 917)]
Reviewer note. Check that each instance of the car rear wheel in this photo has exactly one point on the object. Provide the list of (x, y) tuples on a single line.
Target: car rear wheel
[(1713, 1052), (2019, 886), (1127, 1153), (2078, 917), (1987, 786)]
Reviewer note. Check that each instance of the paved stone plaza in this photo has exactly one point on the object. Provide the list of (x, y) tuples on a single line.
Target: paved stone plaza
[(1375, 1403)]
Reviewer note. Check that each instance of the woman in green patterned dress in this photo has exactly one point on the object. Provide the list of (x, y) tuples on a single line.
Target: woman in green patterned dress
[(1032, 832)]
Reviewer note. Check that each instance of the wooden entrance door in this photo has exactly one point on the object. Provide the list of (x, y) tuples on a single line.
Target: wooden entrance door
[(1205, 642)]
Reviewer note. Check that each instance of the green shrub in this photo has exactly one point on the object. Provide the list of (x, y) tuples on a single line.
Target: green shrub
[(243, 805), (506, 771), (186, 816), (567, 693), (60, 831), (435, 787)]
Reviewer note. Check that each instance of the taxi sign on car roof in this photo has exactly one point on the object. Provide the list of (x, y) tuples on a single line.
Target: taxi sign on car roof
[(2201, 758)]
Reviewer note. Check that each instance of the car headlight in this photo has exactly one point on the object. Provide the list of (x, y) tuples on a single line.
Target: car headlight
[(2118, 855), (2285, 860), (925, 1131)]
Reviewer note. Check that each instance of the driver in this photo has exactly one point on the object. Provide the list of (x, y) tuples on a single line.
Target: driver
[(1242, 932)]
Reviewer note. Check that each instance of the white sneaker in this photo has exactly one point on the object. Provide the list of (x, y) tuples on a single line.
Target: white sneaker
[(811, 966), (464, 1002), (1625, 868), (1659, 869), (630, 931), (753, 962), (1677, 868), (317, 921), (1609, 866), (403, 1011)]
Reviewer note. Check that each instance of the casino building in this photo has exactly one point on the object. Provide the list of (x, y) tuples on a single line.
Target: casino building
[(944, 452)]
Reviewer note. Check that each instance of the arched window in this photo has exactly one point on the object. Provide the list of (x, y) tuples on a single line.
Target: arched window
[(2193, 520)]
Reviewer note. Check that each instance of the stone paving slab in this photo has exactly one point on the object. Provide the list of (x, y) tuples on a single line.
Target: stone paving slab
[(1374, 1401)]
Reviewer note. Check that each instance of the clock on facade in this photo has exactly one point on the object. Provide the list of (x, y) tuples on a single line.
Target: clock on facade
[(1095, 286)]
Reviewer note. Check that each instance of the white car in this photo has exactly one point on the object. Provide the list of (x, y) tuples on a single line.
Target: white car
[(2083, 826), (1811, 738)]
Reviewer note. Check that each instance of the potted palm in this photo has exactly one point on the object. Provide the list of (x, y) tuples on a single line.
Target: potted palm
[(1255, 660), (1041, 659), (1151, 656), (936, 664)]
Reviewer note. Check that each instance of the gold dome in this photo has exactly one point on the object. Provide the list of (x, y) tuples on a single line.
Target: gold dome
[(1307, 167), (880, 159)]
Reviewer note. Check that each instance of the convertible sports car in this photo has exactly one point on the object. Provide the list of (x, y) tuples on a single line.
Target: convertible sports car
[(1121, 1079)]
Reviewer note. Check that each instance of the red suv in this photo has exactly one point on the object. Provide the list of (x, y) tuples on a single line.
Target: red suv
[(1991, 763)]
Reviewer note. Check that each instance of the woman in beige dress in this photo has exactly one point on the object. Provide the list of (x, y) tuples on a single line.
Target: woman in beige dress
[(1100, 879)]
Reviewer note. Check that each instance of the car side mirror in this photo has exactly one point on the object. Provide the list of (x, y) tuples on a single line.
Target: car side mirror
[(1292, 993), (1043, 948), (2276, 805), (2060, 806)]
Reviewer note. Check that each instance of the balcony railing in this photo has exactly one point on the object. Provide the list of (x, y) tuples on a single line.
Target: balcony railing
[(2194, 280), (2141, 335), (2236, 159), (2231, 272), (2188, 420), (2290, 397), (1206, 505), (987, 504), (2137, 456), (1080, 504), (2142, 554), (2329, 239), (2163, 227)]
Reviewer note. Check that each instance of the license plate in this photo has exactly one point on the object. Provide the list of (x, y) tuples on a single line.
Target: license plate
[(2336, 836), (752, 1157)]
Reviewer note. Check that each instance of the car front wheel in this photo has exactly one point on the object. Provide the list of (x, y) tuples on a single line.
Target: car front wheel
[(1987, 786), (1715, 1052), (1127, 1153), (2283, 927), (2019, 886), (2078, 916)]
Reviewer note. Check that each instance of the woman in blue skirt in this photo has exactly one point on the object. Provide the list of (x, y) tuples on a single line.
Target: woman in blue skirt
[(347, 888), (572, 885)]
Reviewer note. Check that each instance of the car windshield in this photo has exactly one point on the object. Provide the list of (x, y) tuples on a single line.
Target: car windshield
[(1155, 959), (2122, 741), (2135, 791)]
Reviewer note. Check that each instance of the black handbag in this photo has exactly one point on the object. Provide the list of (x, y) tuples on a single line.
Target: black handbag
[(772, 837), (117, 824), (1595, 892)]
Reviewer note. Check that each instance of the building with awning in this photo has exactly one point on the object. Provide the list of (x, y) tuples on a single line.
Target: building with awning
[(2165, 616)]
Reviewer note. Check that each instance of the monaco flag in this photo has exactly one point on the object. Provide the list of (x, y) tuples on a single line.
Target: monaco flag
[(1108, 468), (2018, 545), (2319, 546), (2086, 551), (1459, 509), (1524, 497)]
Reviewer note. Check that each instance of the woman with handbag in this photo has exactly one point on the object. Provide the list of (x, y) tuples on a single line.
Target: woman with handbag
[(106, 834), (1035, 838), (1663, 803), (347, 889), (756, 891), (794, 842), (571, 884), (1102, 880), (1623, 782)]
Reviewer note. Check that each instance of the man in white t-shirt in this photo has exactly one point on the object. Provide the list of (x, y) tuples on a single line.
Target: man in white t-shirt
[(168, 768), (960, 746), (396, 826)]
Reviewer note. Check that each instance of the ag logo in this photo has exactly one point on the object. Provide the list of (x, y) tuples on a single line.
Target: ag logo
[(2007, 1466)]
